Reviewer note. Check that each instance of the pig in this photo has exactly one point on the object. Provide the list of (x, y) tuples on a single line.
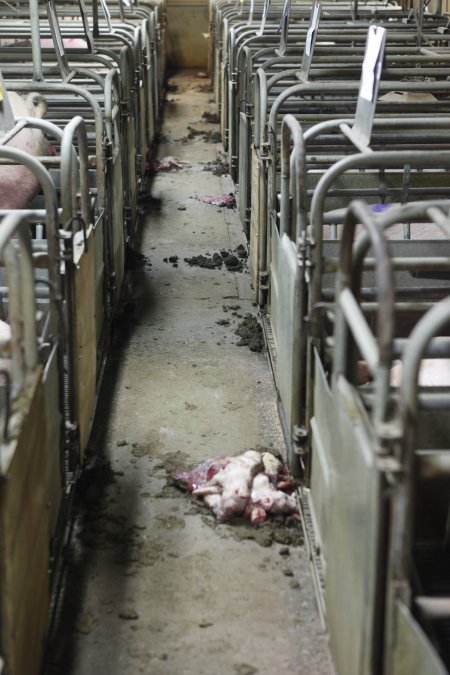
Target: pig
[(265, 498), (18, 185), (237, 474), (228, 492), (5, 339), (71, 43), (201, 474)]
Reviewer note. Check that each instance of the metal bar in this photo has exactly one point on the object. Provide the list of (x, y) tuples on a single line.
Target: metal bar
[(361, 332), (291, 129), (437, 348), (21, 295), (427, 400), (400, 307), (436, 319), (13, 132), (36, 41), (433, 609), (70, 166)]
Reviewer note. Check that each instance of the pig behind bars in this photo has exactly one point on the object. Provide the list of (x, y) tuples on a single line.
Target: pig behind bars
[(18, 185)]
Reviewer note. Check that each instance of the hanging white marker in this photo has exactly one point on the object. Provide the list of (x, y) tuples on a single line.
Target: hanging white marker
[(371, 67), (107, 14), (264, 17), (312, 29), (252, 9)]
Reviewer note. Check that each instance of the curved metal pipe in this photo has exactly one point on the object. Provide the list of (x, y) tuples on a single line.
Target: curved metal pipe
[(291, 129), (349, 316), (69, 170)]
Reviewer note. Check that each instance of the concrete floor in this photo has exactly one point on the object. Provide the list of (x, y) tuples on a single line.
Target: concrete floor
[(153, 585)]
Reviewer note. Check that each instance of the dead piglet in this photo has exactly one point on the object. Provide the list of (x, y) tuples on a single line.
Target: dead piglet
[(231, 486), (260, 499), (18, 185), (265, 498), (199, 475)]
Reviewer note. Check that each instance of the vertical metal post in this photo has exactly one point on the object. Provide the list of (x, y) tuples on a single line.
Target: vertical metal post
[(420, 22), (95, 29), (36, 41)]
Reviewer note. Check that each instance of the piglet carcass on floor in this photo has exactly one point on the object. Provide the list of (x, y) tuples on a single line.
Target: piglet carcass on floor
[(253, 484)]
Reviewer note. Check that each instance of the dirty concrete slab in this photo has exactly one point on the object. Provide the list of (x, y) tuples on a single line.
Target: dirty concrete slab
[(153, 584)]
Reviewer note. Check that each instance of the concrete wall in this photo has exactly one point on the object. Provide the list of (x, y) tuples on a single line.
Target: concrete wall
[(187, 21)]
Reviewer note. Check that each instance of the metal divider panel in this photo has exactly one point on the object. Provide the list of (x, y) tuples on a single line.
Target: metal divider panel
[(55, 450), (356, 526), (412, 651), (24, 540), (287, 326), (85, 337)]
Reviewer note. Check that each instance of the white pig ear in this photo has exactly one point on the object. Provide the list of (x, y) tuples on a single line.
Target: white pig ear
[(39, 104)]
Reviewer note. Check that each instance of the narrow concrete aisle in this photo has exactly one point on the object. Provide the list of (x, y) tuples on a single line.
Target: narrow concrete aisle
[(154, 585)]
